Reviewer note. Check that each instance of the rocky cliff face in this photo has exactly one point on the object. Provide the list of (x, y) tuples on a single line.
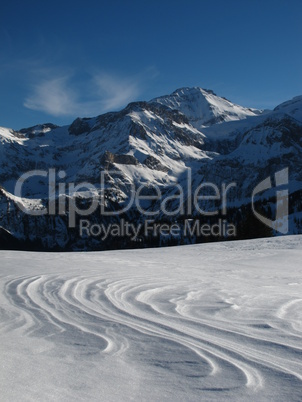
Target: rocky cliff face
[(171, 145)]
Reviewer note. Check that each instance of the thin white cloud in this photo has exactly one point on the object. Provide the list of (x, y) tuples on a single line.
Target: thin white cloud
[(63, 96), (53, 97), (115, 92)]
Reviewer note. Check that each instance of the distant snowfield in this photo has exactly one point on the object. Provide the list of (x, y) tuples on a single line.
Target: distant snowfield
[(193, 323)]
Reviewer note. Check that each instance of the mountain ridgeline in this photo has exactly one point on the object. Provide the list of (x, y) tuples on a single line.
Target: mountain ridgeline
[(179, 169)]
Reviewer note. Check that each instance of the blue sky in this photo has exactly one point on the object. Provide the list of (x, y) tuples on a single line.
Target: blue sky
[(60, 60)]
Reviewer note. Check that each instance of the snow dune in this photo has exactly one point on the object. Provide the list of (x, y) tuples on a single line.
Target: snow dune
[(204, 322)]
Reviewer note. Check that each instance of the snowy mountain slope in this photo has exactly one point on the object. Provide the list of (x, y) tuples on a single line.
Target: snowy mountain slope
[(275, 137), (291, 107), (204, 108), (204, 322), (159, 143), (163, 137)]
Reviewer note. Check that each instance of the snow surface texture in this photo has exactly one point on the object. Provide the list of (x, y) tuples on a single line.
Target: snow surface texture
[(205, 322)]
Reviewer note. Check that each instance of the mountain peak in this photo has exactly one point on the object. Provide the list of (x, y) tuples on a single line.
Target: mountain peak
[(203, 107), (192, 91), (146, 146)]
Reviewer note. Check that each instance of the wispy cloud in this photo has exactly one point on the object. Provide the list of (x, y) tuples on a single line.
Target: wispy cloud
[(63, 95), (53, 97), (115, 92)]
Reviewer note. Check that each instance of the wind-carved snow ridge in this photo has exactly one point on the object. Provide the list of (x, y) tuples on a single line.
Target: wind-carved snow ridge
[(206, 322)]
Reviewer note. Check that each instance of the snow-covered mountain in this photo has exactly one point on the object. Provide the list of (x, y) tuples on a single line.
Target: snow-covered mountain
[(191, 135), (204, 108)]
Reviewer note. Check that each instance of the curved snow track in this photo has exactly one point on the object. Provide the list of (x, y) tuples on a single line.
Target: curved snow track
[(212, 322)]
